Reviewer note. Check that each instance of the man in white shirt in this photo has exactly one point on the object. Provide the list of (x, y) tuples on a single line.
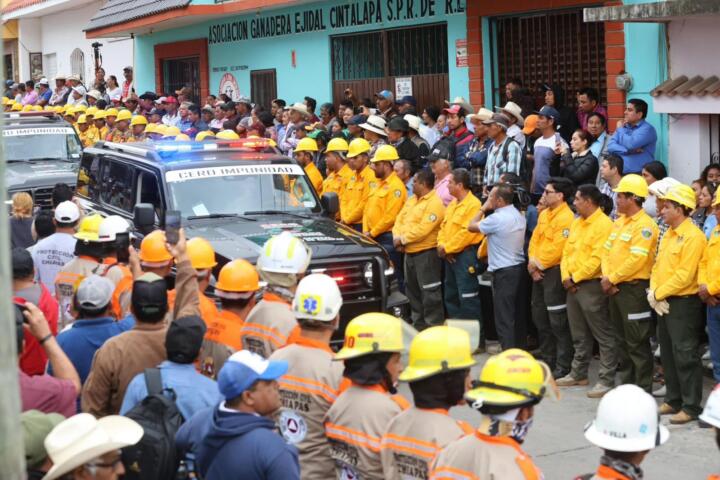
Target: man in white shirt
[(52, 253)]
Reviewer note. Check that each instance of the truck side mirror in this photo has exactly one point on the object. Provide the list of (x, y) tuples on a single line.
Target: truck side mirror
[(330, 204), (144, 217)]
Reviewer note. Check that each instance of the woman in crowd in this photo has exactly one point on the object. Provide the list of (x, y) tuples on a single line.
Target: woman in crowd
[(114, 92), (21, 220), (580, 165), (652, 172)]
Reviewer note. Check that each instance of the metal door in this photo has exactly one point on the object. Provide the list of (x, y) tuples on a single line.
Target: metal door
[(182, 72), (263, 87)]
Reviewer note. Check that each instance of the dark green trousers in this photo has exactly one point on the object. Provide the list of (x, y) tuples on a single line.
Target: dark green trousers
[(423, 287)]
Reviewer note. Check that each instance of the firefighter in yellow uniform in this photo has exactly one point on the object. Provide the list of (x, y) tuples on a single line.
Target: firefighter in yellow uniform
[(628, 257), (384, 204), (90, 116), (673, 295), (338, 171), (100, 127), (415, 233), (304, 155), (137, 125), (357, 189), (438, 373), (355, 423), (86, 137), (549, 309), (110, 118), (121, 133), (511, 384), (313, 381), (709, 288)]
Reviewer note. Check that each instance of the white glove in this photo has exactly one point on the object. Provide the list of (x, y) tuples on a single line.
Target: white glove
[(651, 298), (662, 307)]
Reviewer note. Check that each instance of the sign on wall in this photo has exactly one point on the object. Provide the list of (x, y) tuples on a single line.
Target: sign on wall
[(229, 86), (403, 87), (461, 55)]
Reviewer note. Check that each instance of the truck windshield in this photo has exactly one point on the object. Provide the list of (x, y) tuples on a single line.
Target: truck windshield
[(39, 143), (236, 189)]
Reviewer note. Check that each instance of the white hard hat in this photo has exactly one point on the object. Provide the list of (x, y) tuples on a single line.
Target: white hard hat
[(627, 421), (111, 226), (711, 413), (661, 187), (317, 297), (284, 253)]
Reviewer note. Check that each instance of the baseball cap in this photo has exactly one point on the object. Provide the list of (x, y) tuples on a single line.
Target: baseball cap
[(499, 119), (455, 109), (530, 124), (440, 152), (386, 94), (398, 124), (407, 99), (148, 96), (170, 100), (243, 369), (550, 112), (149, 296), (357, 120), (36, 425), (128, 68), (80, 89), (94, 292), (184, 339), (43, 81), (67, 212), (160, 100), (22, 263)]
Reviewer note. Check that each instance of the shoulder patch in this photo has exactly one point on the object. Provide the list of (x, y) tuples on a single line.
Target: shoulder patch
[(646, 233), (398, 194), (566, 233), (717, 233), (433, 217)]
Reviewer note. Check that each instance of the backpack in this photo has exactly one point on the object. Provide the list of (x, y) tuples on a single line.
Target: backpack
[(154, 456), (525, 172)]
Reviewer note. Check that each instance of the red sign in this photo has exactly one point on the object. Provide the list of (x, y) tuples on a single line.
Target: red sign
[(461, 55)]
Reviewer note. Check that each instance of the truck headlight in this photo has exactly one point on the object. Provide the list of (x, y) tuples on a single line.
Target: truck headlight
[(368, 274)]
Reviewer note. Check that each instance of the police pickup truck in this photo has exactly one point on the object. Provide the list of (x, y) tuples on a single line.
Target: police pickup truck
[(41, 150), (236, 195)]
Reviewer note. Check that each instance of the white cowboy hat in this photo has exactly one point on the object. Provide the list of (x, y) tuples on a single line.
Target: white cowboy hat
[(513, 109), (462, 102), (414, 121), (482, 115), (300, 107), (82, 438), (376, 124)]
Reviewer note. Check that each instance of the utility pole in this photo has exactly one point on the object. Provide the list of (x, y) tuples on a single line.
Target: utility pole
[(12, 454)]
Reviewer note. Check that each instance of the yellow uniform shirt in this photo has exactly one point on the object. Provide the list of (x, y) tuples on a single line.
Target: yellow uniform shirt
[(315, 177), (454, 235), (629, 251), (584, 247), (383, 205), (357, 191), (102, 133), (120, 137), (676, 268), (548, 239), (419, 221), (336, 181), (709, 269)]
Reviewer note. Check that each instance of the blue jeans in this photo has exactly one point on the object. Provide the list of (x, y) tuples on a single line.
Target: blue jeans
[(713, 323)]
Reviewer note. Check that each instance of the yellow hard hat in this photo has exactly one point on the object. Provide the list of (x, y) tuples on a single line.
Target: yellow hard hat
[(203, 135), (123, 115), (91, 111), (79, 109), (161, 128), (511, 379), (181, 137), (371, 333), (358, 146), (17, 107), (227, 135), (438, 350), (100, 115), (151, 128), (153, 252), (27, 108), (201, 253), (171, 131), (683, 195), (89, 228), (385, 153), (37, 108), (111, 112), (337, 145), (633, 183), (82, 119), (716, 202), (237, 279), (137, 120), (58, 109), (306, 145)]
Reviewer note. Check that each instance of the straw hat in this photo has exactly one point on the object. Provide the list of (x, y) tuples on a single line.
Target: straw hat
[(302, 108), (482, 115)]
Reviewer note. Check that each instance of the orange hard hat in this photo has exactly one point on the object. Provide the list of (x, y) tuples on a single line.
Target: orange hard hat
[(201, 253), (237, 279), (153, 252)]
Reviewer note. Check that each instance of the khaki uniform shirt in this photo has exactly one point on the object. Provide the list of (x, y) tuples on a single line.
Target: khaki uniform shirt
[(308, 389), (412, 440), (124, 356), (355, 425), (268, 326)]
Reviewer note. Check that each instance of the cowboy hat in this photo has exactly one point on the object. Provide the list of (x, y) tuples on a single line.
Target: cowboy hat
[(482, 115), (514, 110), (376, 124), (462, 102), (300, 107), (82, 438)]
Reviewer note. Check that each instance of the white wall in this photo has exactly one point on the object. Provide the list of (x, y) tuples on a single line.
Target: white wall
[(689, 146), (61, 33)]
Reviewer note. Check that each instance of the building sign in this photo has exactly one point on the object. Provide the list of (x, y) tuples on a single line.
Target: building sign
[(330, 17), (403, 87), (461, 55), (229, 86)]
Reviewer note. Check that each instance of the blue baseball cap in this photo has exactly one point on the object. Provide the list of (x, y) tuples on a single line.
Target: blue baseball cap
[(386, 94), (550, 112), (407, 99), (243, 369)]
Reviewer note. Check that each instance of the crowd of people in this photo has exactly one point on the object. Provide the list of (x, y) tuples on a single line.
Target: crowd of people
[(584, 238)]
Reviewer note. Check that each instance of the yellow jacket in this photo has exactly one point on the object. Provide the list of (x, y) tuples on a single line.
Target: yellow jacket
[(88, 137), (357, 191), (315, 177), (102, 132), (584, 247), (383, 205), (454, 235), (336, 181), (120, 137), (676, 268), (548, 239), (418, 223), (709, 268), (629, 251)]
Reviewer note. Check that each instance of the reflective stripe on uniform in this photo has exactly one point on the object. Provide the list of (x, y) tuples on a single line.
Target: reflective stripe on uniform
[(640, 251), (290, 382), (469, 295), (353, 437), (449, 473), (556, 308), (431, 285), (639, 316), (413, 446), (266, 333)]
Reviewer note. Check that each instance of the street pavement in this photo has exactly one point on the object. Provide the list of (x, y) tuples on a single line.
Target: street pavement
[(558, 446)]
